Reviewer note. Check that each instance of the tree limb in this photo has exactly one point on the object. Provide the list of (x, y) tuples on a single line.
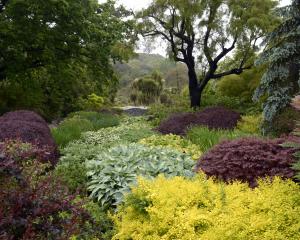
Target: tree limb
[(236, 71)]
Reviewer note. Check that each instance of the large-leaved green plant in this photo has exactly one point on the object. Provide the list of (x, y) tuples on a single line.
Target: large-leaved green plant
[(115, 170)]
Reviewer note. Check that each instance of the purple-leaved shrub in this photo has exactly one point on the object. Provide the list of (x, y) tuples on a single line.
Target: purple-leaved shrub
[(248, 159), (213, 118), (29, 127)]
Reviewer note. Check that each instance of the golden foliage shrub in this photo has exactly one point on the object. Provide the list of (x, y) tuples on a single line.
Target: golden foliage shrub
[(250, 124), (202, 209)]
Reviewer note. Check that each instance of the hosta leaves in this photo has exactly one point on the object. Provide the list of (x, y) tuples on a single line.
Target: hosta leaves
[(116, 170)]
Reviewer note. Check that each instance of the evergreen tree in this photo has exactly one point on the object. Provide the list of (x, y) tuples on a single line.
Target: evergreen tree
[(282, 57)]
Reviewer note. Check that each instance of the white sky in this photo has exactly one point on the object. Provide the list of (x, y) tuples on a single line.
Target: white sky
[(160, 45)]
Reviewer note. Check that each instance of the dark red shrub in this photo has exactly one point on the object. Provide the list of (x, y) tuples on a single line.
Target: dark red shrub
[(213, 117), (248, 159), (22, 115), (35, 205), (31, 128)]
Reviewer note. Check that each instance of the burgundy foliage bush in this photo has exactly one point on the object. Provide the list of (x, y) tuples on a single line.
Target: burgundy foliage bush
[(213, 117), (248, 159), (33, 204), (29, 127)]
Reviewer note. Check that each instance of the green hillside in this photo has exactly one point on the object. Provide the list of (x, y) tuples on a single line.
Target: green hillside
[(175, 74)]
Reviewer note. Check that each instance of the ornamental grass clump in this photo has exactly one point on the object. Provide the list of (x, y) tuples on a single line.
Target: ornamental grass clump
[(29, 127), (173, 142), (213, 118), (114, 171), (200, 208), (206, 138), (247, 160)]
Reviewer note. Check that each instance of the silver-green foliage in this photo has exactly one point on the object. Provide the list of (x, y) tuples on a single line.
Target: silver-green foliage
[(281, 80), (115, 170)]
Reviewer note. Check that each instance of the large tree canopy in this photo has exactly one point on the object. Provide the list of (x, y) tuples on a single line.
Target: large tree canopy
[(282, 57), (209, 32), (54, 51)]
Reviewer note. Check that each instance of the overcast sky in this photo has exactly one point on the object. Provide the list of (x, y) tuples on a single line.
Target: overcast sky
[(160, 45)]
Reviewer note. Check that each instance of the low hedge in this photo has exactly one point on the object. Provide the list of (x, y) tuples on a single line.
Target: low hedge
[(178, 208)]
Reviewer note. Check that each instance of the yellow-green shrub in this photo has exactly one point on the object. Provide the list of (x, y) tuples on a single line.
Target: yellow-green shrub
[(250, 124), (175, 142), (202, 209)]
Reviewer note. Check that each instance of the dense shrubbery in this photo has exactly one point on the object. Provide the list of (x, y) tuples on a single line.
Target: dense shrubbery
[(202, 209), (71, 167), (213, 118), (241, 86), (174, 142), (35, 205), (115, 170), (247, 160), (93, 102), (206, 138), (31, 128), (79, 122)]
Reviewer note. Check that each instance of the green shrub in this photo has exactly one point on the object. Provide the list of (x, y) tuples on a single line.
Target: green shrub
[(92, 102), (214, 99), (178, 208), (174, 142), (206, 138), (250, 124), (113, 172)]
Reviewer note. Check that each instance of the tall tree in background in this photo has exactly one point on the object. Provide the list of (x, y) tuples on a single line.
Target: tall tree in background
[(282, 57), (53, 52), (209, 31)]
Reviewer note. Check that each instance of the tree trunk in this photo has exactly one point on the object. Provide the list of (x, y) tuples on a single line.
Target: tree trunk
[(195, 93)]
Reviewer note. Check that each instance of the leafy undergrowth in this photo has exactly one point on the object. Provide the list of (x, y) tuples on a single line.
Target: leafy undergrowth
[(72, 168), (178, 208), (104, 158)]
